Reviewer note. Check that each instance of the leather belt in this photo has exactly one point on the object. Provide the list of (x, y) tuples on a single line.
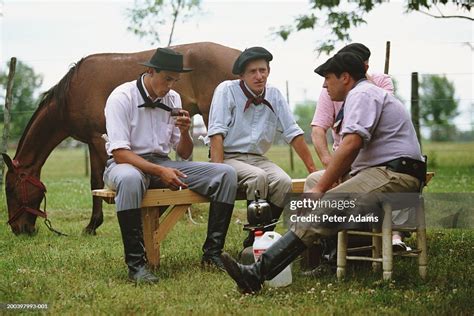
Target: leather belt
[(234, 153), (239, 153), (412, 167), (148, 154)]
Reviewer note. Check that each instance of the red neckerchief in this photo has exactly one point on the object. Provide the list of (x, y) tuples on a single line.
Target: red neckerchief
[(253, 99)]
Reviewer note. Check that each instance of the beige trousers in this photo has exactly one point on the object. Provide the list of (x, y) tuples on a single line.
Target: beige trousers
[(256, 172), (371, 180)]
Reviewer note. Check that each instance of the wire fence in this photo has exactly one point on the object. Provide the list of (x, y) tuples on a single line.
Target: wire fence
[(427, 127)]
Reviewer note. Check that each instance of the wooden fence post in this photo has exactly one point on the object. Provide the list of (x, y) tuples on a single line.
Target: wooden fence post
[(86, 160), (415, 105), (292, 162), (387, 57), (6, 115)]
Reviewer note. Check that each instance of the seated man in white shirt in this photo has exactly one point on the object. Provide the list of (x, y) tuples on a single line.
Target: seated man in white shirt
[(141, 133)]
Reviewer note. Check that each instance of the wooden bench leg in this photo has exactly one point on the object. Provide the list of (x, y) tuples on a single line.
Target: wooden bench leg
[(151, 223), (155, 232), (387, 251), (341, 254), (376, 250), (421, 238), (168, 222)]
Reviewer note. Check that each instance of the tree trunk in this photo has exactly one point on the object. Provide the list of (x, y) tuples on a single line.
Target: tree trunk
[(6, 115), (415, 105)]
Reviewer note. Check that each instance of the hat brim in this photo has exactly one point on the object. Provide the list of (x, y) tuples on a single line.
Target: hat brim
[(148, 64), (323, 69)]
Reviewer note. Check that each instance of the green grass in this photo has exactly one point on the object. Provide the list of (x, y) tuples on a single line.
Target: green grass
[(86, 274)]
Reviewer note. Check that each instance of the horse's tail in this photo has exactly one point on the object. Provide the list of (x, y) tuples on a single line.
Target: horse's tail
[(57, 93)]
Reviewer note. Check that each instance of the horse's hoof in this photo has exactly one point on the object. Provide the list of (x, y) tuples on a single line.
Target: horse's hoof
[(89, 231)]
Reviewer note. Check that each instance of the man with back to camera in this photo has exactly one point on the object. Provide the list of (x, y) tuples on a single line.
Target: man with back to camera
[(380, 149), (141, 133), (244, 118)]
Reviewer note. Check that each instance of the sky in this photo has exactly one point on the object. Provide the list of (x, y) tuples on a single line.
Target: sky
[(51, 35)]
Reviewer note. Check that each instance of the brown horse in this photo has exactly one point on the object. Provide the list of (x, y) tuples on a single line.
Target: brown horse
[(75, 108)]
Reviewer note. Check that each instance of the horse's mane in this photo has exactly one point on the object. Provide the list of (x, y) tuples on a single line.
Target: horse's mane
[(58, 92)]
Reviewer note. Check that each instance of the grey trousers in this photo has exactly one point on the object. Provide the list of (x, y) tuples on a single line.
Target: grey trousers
[(370, 180), (255, 172), (216, 181)]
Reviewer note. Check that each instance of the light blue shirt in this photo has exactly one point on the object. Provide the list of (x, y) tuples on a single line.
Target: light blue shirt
[(251, 131), (382, 122)]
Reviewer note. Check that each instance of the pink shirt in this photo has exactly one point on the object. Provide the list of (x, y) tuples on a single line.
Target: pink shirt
[(326, 109)]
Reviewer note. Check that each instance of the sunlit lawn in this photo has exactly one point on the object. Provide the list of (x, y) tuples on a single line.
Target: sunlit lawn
[(86, 274)]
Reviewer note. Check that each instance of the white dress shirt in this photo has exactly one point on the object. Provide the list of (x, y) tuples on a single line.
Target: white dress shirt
[(141, 130)]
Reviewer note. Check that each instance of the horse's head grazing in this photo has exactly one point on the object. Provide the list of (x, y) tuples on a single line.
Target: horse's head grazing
[(24, 193)]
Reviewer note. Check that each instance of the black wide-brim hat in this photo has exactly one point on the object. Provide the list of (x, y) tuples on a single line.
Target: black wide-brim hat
[(342, 62), (166, 59), (249, 54)]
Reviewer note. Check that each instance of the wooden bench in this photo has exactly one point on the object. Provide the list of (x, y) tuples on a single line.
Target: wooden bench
[(155, 228)]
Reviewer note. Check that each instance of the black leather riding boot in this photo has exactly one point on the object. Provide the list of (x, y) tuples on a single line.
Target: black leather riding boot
[(249, 278), (276, 213), (219, 219), (130, 222)]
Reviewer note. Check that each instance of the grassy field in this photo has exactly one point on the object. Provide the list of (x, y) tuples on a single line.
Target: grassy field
[(86, 274)]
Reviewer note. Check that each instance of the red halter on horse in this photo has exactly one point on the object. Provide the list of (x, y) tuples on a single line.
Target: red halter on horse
[(28, 198), (24, 179)]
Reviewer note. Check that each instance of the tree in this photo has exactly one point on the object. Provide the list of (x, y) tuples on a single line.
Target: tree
[(147, 15), (24, 97), (396, 90), (438, 107), (304, 113), (329, 14)]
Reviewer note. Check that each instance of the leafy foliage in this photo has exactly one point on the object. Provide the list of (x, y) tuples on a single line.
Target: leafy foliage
[(438, 106), (339, 17), (396, 90), (24, 98), (304, 115), (147, 16)]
